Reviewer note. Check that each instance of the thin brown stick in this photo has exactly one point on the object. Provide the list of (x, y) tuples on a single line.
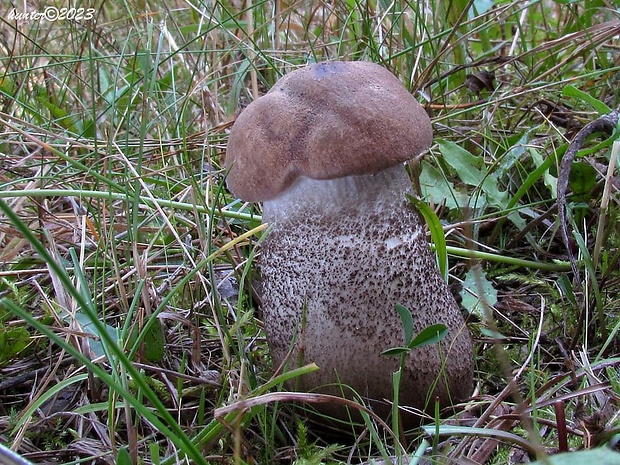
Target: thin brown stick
[(607, 124), (560, 419)]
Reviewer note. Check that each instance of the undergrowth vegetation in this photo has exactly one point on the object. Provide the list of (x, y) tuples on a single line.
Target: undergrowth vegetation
[(130, 329)]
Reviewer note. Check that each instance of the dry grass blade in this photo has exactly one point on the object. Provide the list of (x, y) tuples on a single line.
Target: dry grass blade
[(605, 198), (298, 397), (576, 43)]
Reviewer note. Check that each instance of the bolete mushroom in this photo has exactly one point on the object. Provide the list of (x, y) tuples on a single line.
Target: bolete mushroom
[(324, 150)]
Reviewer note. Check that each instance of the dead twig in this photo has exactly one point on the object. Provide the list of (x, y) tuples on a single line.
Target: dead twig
[(607, 124)]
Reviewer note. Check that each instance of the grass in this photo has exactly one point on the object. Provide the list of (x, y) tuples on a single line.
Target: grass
[(127, 315)]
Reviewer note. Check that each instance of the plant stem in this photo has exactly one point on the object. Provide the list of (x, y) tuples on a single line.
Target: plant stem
[(469, 253)]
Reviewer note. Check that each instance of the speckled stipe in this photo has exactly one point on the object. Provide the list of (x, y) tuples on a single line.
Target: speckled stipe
[(347, 251)]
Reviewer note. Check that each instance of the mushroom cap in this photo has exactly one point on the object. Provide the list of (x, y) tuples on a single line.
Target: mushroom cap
[(325, 121)]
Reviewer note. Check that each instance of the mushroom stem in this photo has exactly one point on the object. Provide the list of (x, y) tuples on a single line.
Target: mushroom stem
[(341, 254), (338, 196)]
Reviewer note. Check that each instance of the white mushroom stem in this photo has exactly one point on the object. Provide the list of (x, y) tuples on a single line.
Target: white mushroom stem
[(341, 254), (341, 195)]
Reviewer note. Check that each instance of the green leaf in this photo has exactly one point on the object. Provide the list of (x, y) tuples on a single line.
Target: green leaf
[(473, 172), (8, 86), (395, 351), (437, 235), (59, 114), (453, 10), (407, 319), (12, 342), (543, 164), (582, 179), (480, 7), (145, 61), (88, 326), (476, 290), (123, 457), (154, 452), (600, 107), (153, 338), (494, 195), (429, 335), (436, 188), (467, 166), (154, 342), (600, 456), (488, 332)]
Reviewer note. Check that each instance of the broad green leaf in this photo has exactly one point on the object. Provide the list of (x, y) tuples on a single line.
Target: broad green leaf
[(145, 61), (543, 164), (154, 342), (582, 179), (599, 456), (467, 166), (514, 149), (473, 172), (480, 7), (453, 10), (88, 326), (491, 333), (13, 340), (476, 281), (123, 457), (7, 85), (407, 320), (495, 196), (155, 453), (59, 114), (429, 335), (437, 235), (436, 188), (600, 107)]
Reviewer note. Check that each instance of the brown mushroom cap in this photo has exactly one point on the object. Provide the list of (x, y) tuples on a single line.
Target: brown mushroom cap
[(325, 121)]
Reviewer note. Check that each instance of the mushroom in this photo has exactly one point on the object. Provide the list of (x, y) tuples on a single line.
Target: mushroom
[(324, 150)]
